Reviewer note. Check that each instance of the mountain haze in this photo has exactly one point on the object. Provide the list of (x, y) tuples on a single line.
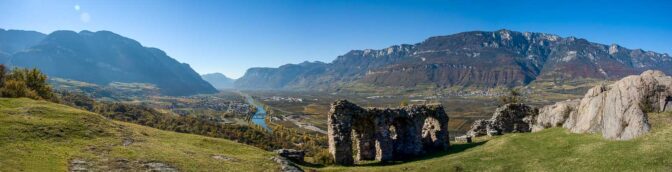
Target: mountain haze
[(218, 80), (469, 59), (12, 41), (103, 57)]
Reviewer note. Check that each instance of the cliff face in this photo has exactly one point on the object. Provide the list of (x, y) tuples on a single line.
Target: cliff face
[(478, 59), (618, 111)]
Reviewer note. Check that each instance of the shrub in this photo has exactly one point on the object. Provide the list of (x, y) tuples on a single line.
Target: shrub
[(323, 157), (16, 89), (30, 83), (514, 96)]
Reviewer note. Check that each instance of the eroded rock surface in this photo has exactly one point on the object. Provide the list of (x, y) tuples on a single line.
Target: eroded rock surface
[(286, 165), (159, 167), (481, 127), (79, 165), (555, 115), (295, 155), (384, 134), (510, 118), (618, 111)]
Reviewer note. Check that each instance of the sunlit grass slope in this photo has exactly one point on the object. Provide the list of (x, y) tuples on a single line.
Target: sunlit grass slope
[(43, 136), (549, 150)]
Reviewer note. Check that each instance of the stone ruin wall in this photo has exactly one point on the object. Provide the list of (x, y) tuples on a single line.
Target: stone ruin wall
[(384, 134)]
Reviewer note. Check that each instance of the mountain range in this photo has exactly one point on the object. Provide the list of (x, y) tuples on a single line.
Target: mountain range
[(99, 57), (481, 59), (219, 80)]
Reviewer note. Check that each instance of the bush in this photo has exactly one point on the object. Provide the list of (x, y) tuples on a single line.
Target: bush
[(514, 96), (16, 89), (30, 83), (323, 157)]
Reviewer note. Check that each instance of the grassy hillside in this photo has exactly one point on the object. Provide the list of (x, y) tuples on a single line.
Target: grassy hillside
[(549, 150), (43, 136)]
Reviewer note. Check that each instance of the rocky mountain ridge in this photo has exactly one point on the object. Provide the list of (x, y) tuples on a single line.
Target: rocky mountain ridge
[(473, 59)]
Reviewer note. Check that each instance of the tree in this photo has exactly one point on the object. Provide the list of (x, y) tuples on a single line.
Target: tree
[(404, 102), (514, 96), (30, 83), (2, 75), (16, 89)]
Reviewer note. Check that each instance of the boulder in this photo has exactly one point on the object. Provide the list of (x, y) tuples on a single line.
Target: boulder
[(291, 154), (479, 128), (555, 115), (509, 118), (618, 111), (286, 165)]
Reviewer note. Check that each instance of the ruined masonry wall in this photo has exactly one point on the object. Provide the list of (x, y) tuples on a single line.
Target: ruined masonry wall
[(384, 134)]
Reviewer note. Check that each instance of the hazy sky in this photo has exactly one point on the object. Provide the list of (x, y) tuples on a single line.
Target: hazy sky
[(232, 36)]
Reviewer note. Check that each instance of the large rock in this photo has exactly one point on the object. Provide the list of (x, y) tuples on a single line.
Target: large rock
[(295, 155), (617, 111), (555, 115), (286, 165), (510, 118), (480, 128)]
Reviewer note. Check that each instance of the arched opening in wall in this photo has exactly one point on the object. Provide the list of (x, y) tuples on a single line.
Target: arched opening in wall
[(364, 142), (393, 133), (431, 132), (404, 137)]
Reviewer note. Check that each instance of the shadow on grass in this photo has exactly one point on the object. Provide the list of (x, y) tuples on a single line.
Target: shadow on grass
[(452, 150)]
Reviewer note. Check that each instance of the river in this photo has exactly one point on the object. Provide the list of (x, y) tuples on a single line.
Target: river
[(259, 116)]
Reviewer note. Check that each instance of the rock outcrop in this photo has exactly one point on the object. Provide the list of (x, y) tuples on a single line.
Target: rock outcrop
[(286, 165), (555, 115), (294, 155), (510, 118), (384, 134), (617, 111), (481, 128)]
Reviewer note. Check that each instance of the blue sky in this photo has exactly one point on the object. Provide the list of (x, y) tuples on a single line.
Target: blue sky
[(232, 36)]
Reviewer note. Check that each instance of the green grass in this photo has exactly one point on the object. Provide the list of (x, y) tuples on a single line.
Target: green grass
[(43, 136), (549, 150)]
